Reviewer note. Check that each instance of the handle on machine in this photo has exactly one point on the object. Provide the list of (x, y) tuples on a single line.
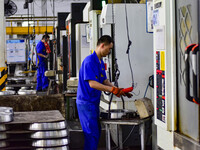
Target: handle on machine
[(127, 90), (194, 72), (187, 67)]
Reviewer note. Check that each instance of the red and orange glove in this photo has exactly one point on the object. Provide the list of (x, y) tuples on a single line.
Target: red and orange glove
[(117, 91)]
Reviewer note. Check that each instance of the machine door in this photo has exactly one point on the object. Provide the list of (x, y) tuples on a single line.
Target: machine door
[(187, 33)]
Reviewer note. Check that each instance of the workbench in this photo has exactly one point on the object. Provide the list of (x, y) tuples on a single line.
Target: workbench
[(119, 123)]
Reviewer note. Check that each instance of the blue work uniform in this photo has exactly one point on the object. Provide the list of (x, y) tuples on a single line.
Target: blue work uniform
[(42, 81), (88, 99)]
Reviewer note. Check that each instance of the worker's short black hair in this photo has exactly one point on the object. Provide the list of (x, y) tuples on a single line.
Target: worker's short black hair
[(105, 39), (45, 36)]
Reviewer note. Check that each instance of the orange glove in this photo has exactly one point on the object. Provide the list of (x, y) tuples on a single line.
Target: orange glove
[(117, 91)]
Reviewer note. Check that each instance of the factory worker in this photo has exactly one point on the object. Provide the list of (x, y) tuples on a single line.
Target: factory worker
[(93, 80), (42, 81)]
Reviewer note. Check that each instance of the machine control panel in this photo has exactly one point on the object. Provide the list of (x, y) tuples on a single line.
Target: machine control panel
[(160, 85)]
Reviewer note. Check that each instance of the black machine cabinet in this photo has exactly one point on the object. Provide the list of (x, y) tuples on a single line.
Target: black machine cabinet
[(61, 26), (77, 17), (65, 62)]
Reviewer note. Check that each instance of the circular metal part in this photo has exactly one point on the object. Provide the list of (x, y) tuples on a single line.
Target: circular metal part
[(8, 92), (3, 127), (118, 113), (49, 134), (11, 92), (48, 126), (33, 91), (6, 109), (3, 144), (6, 117), (24, 88), (11, 81), (3, 136), (50, 143), (55, 148), (20, 81), (26, 92), (9, 88)]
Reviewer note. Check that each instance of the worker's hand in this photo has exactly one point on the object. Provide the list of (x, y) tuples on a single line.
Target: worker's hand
[(129, 95), (46, 56), (117, 91)]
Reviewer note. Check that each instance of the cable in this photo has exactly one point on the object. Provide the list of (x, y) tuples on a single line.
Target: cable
[(51, 8), (128, 135), (131, 69), (135, 93), (109, 71), (108, 93), (127, 28), (129, 44), (117, 147), (146, 89), (46, 16), (150, 78), (40, 5)]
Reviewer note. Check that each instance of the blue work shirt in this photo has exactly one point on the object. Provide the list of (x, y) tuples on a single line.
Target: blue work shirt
[(91, 69), (42, 50)]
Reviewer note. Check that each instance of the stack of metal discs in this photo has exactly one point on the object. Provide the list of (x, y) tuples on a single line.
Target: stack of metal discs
[(3, 136), (6, 115), (49, 136), (7, 92), (20, 80), (26, 92), (8, 88)]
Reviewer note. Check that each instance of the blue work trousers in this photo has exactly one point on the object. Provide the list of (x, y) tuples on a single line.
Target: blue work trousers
[(89, 118), (42, 81)]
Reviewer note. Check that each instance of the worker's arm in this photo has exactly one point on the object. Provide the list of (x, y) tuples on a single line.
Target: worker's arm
[(45, 56), (108, 83), (98, 86)]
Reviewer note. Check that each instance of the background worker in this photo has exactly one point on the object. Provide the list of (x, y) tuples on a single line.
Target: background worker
[(42, 81), (93, 80)]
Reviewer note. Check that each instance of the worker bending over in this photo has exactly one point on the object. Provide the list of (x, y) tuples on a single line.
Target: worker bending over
[(93, 80), (42, 80)]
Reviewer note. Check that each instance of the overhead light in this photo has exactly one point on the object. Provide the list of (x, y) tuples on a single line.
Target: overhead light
[(103, 3)]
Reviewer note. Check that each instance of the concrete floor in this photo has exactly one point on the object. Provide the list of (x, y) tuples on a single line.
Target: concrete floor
[(115, 148)]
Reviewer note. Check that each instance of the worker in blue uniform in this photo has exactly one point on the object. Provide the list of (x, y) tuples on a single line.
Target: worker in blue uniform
[(42, 80), (93, 80)]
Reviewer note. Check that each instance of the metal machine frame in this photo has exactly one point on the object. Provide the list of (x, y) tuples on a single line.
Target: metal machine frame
[(138, 51)]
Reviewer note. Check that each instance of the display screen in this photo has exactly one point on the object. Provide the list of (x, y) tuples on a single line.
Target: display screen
[(16, 52)]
